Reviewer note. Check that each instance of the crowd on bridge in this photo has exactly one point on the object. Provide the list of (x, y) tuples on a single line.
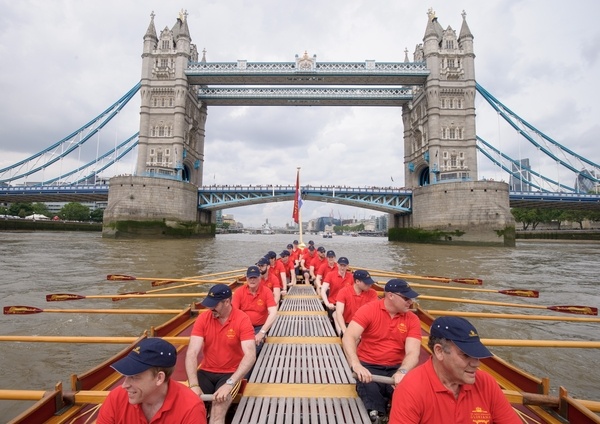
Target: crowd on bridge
[(380, 335)]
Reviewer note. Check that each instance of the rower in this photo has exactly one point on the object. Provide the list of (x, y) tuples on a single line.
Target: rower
[(148, 394), (383, 338), (449, 387), (225, 338)]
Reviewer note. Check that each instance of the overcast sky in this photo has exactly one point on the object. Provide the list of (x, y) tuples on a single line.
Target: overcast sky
[(63, 62)]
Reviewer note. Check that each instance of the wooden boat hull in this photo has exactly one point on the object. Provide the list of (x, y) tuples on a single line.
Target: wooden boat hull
[(81, 403)]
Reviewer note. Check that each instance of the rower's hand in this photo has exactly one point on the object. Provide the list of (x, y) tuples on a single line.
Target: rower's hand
[(331, 306), (222, 394), (259, 338), (362, 374), (397, 379)]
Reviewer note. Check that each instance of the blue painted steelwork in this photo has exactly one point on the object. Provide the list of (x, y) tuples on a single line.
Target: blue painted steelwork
[(388, 200), (94, 126), (520, 167), (508, 115), (307, 72), (314, 96)]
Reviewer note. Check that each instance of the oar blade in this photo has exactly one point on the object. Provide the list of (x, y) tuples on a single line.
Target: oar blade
[(520, 293), (571, 309), (116, 299), (163, 282), (59, 297), (120, 277), (21, 310), (471, 281)]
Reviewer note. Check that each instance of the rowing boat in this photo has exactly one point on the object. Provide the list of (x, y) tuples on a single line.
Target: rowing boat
[(301, 375)]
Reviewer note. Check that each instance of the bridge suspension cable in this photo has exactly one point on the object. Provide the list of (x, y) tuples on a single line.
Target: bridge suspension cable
[(519, 174), (112, 156), (523, 128), (67, 145)]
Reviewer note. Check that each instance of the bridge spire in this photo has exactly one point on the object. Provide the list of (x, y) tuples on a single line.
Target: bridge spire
[(151, 31)]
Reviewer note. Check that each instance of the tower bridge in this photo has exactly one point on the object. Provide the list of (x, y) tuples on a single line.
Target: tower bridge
[(434, 92)]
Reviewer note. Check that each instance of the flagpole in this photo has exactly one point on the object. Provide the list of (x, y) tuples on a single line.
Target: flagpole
[(299, 212)]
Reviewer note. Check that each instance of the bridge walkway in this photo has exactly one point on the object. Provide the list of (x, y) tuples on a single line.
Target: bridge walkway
[(301, 374)]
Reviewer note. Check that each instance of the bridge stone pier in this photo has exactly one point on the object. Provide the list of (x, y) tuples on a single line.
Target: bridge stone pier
[(475, 212), (133, 209)]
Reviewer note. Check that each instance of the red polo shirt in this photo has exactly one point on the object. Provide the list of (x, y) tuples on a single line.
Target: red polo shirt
[(256, 305), (383, 339), (277, 269), (336, 283), (352, 301), (223, 343), (422, 398), (181, 405), (324, 269)]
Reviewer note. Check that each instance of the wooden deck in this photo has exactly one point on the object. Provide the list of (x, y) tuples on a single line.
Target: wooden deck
[(301, 374)]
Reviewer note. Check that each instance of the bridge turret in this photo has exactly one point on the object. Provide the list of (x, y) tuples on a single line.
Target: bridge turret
[(440, 141), (171, 140)]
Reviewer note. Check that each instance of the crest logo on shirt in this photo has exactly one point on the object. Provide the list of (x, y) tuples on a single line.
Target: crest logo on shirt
[(480, 416), (231, 333), (402, 328), (260, 302)]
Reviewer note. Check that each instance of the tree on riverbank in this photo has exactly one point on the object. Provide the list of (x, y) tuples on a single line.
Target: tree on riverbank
[(533, 217), (75, 212)]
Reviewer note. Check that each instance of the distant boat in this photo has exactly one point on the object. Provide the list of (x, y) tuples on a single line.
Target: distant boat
[(327, 235)]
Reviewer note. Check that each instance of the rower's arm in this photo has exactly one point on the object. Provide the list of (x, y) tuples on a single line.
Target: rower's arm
[(249, 349), (324, 288), (270, 319), (339, 315), (412, 349), (191, 362), (349, 342)]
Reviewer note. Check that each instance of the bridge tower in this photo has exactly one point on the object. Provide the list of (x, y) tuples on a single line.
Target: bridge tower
[(161, 199), (440, 151)]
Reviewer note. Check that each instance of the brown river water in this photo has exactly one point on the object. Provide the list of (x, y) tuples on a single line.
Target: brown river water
[(33, 264)]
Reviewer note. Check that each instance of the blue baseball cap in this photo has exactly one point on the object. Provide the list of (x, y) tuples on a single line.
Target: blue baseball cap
[(462, 333), (330, 254), (284, 253), (343, 261), (271, 255), (263, 261), (217, 293), (253, 271), (399, 286), (151, 352), (364, 276)]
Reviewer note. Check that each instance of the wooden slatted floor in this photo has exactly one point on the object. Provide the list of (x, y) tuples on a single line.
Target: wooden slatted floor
[(301, 375)]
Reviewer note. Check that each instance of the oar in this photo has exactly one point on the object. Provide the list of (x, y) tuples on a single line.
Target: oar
[(27, 310), (568, 309), (513, 396), (380, 273), (441, 312), (194, 283), (214, 281), (123, 277), (59, 297), (79, 398), (509, 292), (86, 339)]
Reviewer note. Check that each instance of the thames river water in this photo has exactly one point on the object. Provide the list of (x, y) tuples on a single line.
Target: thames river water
[(33, 264)]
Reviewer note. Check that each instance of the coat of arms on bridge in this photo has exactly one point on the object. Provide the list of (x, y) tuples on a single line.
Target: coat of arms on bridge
[(305, 63)]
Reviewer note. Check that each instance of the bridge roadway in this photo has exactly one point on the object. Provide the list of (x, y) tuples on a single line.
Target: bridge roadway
[(383, 199)]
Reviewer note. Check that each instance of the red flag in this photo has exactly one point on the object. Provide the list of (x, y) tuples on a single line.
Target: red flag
[(297, 200)]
